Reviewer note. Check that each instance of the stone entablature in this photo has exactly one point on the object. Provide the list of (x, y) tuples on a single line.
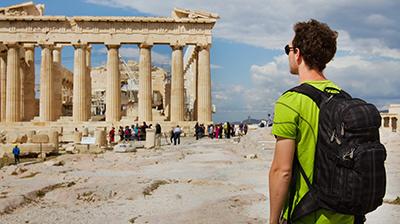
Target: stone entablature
[(105, 30)]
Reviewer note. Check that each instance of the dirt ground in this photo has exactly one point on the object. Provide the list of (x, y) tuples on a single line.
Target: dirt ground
[(204, 181)]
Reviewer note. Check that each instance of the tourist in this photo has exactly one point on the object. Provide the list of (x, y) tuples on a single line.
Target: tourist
[(16, 151), (121, 133), (111, 135), (295, 124), (136, 132), (228, 130), (269, 120), (177, 135), (211, 131), (241, 128), (158, 136), (217, 129), (171, 135), (127, 133), (197, 130), (245, 128), (143, 131)]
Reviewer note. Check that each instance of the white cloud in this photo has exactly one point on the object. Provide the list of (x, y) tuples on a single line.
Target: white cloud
[(269, 24), (375, 81)]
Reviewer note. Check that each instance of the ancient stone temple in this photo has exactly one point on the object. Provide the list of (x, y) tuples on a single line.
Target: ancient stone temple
[(24, 29)]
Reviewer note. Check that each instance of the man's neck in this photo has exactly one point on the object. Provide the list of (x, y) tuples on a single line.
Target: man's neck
[(306, 74)]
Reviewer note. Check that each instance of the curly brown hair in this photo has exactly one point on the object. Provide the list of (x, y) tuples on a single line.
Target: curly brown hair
[(316, 41)]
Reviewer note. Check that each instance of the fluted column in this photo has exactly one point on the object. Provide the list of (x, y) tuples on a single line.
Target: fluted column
[(58, 76), (194, 68), (89, 81), (3, 85), (177, 84), (113, 89), (145, 88), (13, 84), (23, 70), (204, 85), (47, 87), (29, 83), (79, 100)]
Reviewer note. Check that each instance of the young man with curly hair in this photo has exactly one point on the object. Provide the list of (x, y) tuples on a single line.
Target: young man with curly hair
[(296, 123)]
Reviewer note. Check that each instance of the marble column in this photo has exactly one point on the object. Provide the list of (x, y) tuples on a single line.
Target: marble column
[(145, 87), (177, 84), (204, 85), (89, 81), (58, 76), (3, 85), (194, 68), (29, 89), (23, 70), (79, 100), (47, 87), (113, 88), (13, 112)]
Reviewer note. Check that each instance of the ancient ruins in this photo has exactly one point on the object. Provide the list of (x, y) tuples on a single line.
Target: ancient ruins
[(66, 98)]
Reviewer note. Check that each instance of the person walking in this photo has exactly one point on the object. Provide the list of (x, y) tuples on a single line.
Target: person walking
[(296, 124), (177, 135), (197, 130), (171, 135), (158, 136), (111, 135), (16, 152)]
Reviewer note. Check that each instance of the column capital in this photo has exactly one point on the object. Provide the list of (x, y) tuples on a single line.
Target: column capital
[(57, 47), (29, 46), (76, 46), (49, 46), (177, 46), (203, 46), (11, 44), (113, 46), (145, 45)]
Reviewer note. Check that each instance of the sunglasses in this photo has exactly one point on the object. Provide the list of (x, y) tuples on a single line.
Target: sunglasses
[(288, 49)]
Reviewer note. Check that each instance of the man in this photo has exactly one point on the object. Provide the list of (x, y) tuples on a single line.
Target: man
[(16, 153), (111, 135), (296, 122), (158, 136), (177, 135)]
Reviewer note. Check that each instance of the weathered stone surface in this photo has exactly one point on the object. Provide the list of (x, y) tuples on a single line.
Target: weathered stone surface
[(124, 147), (41, 138), (150, 138), (77, 137), (101, 138)]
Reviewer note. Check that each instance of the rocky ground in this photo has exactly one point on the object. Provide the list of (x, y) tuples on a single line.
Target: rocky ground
[(205, 181)]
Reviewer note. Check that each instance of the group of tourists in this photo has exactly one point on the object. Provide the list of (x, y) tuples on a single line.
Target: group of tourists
[(220, 130), (135, 132)]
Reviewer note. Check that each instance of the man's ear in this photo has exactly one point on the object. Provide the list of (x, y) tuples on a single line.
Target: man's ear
[(297, 55)]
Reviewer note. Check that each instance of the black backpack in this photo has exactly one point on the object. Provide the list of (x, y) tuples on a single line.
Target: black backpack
[(349, 174)]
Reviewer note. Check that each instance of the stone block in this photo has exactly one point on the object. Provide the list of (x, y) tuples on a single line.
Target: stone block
[(28, 148), (101, 138), (41, 138), (16, 138), (150, 138)]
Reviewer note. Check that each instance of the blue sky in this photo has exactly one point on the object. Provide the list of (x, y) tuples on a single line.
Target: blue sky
[(249, 67)]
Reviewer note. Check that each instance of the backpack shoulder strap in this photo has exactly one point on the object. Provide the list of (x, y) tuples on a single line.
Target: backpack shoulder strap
[(306, 89)]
